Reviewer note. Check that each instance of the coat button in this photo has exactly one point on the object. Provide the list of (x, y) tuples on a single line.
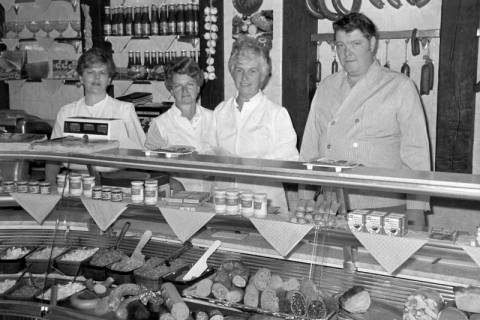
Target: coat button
[(357, 120), (329, 146), (355, 145), (333, 123)]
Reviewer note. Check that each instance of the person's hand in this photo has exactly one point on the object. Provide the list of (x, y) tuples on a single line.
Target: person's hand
[(416, 219)]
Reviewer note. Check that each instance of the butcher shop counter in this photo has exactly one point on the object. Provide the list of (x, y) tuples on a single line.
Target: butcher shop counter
[(335, 259)]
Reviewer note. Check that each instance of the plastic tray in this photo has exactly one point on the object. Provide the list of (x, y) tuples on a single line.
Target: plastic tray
[(13, 265), (120, 276), (40, 265), (2, 294), (15, 294), (57, 282), (71, 268), (175, 277), (94, 272)]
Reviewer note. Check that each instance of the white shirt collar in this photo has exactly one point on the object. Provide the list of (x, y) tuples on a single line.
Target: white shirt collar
[(99, 103), (252, 102), (178, 113)]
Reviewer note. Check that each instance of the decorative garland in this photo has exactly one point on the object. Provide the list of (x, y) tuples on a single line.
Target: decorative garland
[(210, 35)]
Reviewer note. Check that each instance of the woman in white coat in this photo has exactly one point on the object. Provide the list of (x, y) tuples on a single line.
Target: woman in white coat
[(186, 122), (249, 125)]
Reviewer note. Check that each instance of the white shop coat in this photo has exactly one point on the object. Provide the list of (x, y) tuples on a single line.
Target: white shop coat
[(171, 128), (262, 130)]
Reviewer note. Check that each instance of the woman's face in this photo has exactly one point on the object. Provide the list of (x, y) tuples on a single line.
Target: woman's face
[(95, 79), (248, 75), (185, 89)]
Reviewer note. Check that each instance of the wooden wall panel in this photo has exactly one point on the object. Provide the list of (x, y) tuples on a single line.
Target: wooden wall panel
[(299, 54), (457, 77)]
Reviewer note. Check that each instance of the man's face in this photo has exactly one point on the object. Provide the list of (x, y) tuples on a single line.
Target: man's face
[(95, 79), (185, 89), (355, 52), (248, 75)]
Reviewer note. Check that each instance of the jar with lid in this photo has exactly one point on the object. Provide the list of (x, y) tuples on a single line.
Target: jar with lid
[(232, 201), (137, 191), (97, 193), (106, 193), (116, 195), (62, 184), (151, 194), (246, 201), (75, 185), (33, 186), (88, 184), (260, 205), (219, 200), (22, 186), (9, 186), (45, 187)]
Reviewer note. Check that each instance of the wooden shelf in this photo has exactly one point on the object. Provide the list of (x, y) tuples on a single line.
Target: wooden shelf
[(401, 34)]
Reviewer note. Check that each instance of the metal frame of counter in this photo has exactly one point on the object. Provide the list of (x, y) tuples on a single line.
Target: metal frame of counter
[(452, 185)]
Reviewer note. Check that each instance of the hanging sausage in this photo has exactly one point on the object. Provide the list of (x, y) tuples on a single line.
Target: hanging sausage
[(387, 63), (334, 62), (428, 70), (415, 43), (405, 67), (318, 65)]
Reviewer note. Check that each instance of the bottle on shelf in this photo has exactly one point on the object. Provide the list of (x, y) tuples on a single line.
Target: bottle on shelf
[(183, 53), (137, 22), (163, 23), (189, 21), (138, 59), (107, 23), (195, 19), (147, 64), (145, 22), (154, 59), (167, 58), (154, 23), (193, 55), (180, 20), (128, 21), (113, 21), (120, 23), (131, 60), (172, 24)]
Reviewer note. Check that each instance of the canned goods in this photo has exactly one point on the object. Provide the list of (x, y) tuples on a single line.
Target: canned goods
[(97, 193), (9, 186), (22, 186), (106, 193), (88, 184), (137, 191), (45, 188), (33, 187), (117, 195), (76, 185)]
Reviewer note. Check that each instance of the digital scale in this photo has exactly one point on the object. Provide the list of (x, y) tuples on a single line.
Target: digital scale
[(98, 128)]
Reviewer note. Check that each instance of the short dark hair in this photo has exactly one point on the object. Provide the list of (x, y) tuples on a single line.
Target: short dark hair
[(94, 56), (183, 65), (251, 45), (354, 21)]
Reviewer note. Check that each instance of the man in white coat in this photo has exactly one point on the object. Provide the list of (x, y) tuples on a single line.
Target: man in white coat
[(368, 114), (249, 124)]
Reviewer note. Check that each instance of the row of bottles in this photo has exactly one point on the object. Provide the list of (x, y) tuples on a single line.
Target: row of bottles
[(171, 19), (153, 65)]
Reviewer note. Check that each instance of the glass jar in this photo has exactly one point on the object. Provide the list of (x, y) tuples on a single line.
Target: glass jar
[(219, 199), (246, 201), (45, 187), (22, 186), (106, 193), (33, 187), (62, 184), (151, 194), (260, 205), (97, 193), (76, 185), (88, 182), (117, 195), (232, 201), (9, 186), (137, 191)]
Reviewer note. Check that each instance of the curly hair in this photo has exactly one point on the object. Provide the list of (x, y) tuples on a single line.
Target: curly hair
[(247, 47), (183, 65), (354, 21), (94, 56)]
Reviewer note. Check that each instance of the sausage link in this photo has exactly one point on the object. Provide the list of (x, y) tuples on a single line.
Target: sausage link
[(379, 4), (395, 3)]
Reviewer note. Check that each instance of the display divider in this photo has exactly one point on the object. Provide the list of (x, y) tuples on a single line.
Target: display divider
[(39, 206), (104, 213), (185, 223)]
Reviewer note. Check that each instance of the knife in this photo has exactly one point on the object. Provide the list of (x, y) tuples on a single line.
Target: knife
[(201, 265)]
